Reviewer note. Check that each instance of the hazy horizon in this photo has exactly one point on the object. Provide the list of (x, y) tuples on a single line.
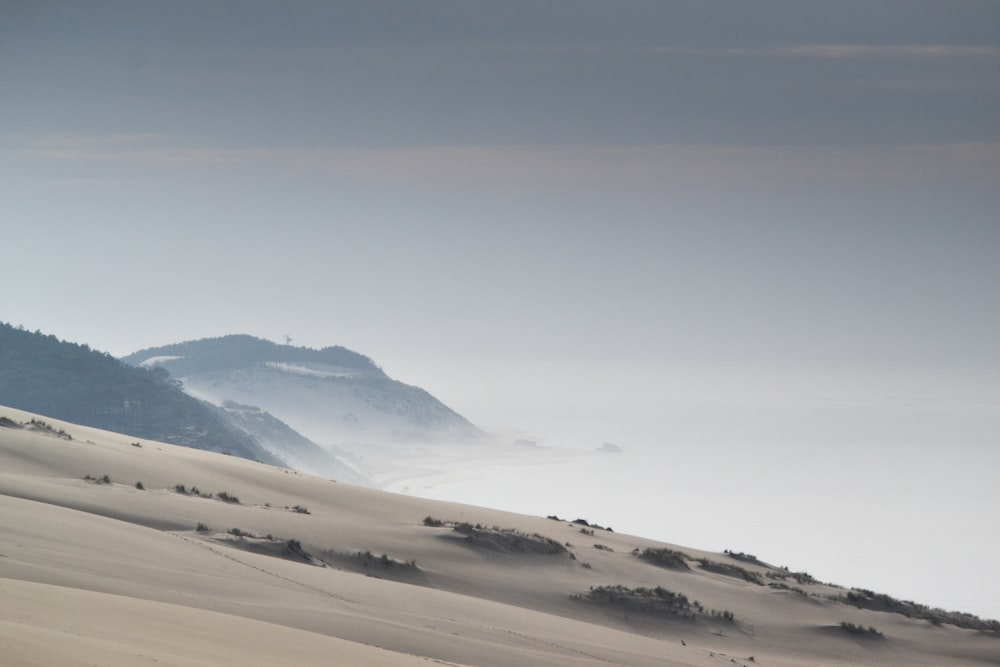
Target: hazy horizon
[(663, 225)]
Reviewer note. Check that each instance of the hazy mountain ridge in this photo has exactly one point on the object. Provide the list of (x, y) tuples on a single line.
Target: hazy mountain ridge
[(289, 445), (332, 395), (240, 350), (43, 374)]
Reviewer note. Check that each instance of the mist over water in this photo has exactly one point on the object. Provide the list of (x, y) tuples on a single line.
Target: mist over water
[(893, 487)]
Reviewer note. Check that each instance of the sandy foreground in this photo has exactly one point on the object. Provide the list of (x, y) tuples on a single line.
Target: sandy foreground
[(306, 571)]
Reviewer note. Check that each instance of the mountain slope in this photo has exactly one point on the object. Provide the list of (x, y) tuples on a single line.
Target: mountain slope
[(67, 381), (289, 445), (333, 396)]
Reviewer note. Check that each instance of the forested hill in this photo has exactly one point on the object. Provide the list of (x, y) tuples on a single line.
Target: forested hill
[(334, 396), (63, 380), (240, 351)]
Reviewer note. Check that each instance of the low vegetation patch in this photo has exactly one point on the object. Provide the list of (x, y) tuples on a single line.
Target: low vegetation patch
[(603, 547), (870, 631), (369, 560), (42, 427), (799, 577), (104, 479), (866, 599), (663, 557), (7, 422), (653, 601), (781, 586), (301, 509), (584, 522), (227, 498), (746, 558), (730, 570), (508, 540)]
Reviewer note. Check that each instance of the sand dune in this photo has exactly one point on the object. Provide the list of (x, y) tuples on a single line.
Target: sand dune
[(300, 570)]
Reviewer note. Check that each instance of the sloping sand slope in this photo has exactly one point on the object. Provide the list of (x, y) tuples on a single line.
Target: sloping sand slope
[(294, 573)]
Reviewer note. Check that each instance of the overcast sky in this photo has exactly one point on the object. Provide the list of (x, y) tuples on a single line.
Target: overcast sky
[(539, 211), (472, 191)]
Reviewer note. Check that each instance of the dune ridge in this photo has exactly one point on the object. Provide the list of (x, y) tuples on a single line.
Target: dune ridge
[(106, 559)]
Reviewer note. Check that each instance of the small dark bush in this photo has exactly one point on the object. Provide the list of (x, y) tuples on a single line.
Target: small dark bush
[(384, 562), (201, 528), (870, 631), (650, 600), (674, 560), (227, 498), (180, 488), (730, 570), (432, 522), (139, 486), (301, 509)]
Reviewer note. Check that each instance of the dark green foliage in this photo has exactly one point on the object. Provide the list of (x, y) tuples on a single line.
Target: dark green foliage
[(584, 522), (72, 382), (648, 600), (384, 562), (668, 558), (105, 479), (870, 631), (587, 531), (432, 522), (508, 539), (799, 577), (747, 558), (139, 486), (866, 599), (201, 528), (785, 587), (227, 498), (180, 488), (730, 570), (239, 533), (658, 601)]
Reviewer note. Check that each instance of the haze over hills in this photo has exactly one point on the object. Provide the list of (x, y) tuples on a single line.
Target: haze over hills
[(186, 557), (333, 396), (64, 380), (68, 381)]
